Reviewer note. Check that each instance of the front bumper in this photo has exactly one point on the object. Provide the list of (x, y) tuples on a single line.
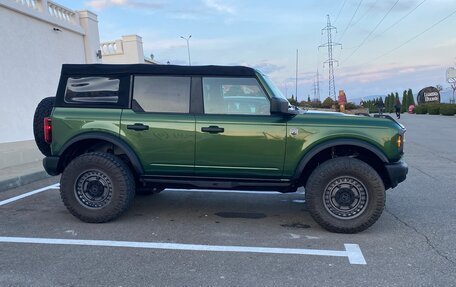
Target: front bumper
[(51, 165), (397, 172)]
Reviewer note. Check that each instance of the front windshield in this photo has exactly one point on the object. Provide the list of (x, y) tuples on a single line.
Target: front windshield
[(277, 93)]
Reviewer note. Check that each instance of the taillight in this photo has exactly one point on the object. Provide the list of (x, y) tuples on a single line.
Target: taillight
[(48, 130)]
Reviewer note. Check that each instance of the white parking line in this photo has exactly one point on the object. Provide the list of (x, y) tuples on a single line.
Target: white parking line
[(352, 251), (54, 186)]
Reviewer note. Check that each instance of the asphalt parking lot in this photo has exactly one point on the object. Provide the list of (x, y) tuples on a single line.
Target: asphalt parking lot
[(208, 238)]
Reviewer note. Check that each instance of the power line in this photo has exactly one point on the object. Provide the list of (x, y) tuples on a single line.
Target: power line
[(402, 18), (340, 10), (366, 13), (351, 20), (416, 36), (373, 30)]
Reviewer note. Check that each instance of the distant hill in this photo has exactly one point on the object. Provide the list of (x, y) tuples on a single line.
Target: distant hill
[(366, 98)]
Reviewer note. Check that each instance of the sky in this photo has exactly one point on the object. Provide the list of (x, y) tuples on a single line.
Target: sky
[(386, 45)]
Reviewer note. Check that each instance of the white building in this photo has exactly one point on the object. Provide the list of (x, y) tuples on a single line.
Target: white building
[(36, 38), (127, 50)]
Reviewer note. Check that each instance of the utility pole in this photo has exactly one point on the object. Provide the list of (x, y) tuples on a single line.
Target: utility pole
[(296, 94), (330, 61), (188, 48), (317, 88)]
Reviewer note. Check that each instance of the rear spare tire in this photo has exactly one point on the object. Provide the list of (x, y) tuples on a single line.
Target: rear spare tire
[(345, 195), (43, 110)]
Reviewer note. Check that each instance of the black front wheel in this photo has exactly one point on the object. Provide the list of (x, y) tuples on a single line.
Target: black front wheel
[(97, 187), (345, 195)]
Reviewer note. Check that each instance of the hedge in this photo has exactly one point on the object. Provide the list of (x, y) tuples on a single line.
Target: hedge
[(448, 110), (436, 109), (421, 110), (433, 109)]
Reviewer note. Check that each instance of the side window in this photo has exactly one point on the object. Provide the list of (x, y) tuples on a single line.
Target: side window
[(241, 96), (162, 94), (92, 90)]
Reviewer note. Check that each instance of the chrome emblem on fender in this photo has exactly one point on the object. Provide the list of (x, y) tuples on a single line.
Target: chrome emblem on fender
[(293, 131)]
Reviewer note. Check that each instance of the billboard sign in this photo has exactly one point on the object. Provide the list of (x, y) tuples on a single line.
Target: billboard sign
[(428, 95)]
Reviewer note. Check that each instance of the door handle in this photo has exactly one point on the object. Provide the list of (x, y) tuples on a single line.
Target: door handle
[(212, 129), (138, 127)]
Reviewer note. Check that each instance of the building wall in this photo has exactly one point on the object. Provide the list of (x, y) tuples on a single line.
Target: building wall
[(127, 50), (31, 55)]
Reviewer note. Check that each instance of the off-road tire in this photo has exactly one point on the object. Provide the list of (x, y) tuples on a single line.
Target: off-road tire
[(112, 171), (319, 186), (44, 109)]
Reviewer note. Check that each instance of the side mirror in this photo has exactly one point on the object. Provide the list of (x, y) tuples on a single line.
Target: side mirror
[(280, 106)]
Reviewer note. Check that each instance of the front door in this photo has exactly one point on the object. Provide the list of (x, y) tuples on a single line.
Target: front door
[(237, 137)]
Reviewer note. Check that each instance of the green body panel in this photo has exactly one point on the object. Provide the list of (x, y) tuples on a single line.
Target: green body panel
[(250, 146), (317, 128), (168, 147), (70, 122)]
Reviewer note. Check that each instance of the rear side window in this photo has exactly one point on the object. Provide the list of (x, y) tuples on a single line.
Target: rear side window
[(162, 94), (92, 90)]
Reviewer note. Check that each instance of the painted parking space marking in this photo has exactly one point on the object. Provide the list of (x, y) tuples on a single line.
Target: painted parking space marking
[(352, 251), (6, 201)]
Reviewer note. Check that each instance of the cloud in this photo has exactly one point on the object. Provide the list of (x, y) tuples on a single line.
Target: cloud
[(268, 68), (366, 76), (220, 7), (103, 4)]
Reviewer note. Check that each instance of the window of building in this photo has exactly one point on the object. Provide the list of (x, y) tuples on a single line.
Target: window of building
[(242, 96), (162, 94)]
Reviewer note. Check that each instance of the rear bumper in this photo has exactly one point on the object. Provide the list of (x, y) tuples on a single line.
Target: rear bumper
[(397, 172), (51, 165)]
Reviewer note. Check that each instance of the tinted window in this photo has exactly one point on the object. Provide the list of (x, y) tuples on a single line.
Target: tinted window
[(92, 90), (242, 96), (162, 94)]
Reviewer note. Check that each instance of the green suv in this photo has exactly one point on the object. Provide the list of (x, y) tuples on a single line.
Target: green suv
[(116, 130)]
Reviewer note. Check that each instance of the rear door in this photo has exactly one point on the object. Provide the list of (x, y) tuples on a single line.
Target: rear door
[(159, 126), (236, 136)]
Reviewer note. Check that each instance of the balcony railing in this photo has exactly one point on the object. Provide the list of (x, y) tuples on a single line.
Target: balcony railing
[(51, 8), (111, 48)]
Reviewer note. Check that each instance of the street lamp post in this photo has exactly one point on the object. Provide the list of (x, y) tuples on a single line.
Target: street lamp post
[(188, 48)]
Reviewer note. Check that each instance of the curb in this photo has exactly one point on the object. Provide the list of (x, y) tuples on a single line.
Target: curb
[(22, 180)]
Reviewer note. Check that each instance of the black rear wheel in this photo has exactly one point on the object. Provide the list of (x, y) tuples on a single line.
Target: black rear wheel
[(97, 187), (345, 195)]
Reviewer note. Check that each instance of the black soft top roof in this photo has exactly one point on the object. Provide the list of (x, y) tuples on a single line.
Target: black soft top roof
[(110, 69)]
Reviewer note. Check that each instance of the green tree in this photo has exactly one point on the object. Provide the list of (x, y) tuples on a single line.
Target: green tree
[(292, 101), (327, 103), (388, 103), (410, 99), (404, 102), (308, 99)]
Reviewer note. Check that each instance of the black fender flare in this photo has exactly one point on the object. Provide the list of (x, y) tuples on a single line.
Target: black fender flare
[(108, 138), (336, 142)]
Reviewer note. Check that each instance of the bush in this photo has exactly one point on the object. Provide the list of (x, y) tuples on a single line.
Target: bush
[(433, 109), (327, 103), (421, 110), (351, 106), (448, 110)]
